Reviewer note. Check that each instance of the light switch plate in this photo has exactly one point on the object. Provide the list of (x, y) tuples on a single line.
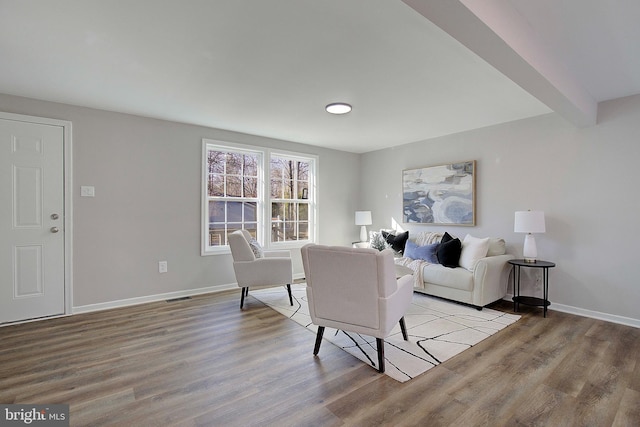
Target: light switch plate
[(87, 191), (162, 267)]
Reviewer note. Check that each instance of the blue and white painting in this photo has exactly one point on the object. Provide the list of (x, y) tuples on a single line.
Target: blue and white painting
[(443, 194)]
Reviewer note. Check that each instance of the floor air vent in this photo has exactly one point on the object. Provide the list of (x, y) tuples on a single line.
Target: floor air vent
[(178, 299)]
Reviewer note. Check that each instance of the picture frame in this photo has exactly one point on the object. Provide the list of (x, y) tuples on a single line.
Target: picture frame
[(440, 194)]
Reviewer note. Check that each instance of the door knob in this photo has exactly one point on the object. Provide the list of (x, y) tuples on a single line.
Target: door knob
[(54, 229)]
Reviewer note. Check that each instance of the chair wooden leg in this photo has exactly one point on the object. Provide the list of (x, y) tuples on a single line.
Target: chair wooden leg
[(243, 292), (316, 349), (380, 344), (403, 327), (290, 295)]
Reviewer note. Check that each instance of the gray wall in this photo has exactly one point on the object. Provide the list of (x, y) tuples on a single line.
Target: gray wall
[(147, 206), (146, 175), (585, 180)]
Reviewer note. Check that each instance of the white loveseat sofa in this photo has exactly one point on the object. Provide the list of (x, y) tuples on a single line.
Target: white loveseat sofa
[(483, 281)]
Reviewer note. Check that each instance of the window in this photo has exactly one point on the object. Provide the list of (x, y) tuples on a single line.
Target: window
[(276, 203), (289, 182)]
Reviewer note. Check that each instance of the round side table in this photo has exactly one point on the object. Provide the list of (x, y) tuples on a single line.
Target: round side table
[(528, 300)]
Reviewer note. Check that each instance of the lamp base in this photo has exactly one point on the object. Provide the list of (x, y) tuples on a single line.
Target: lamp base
[(363, 234), (529, 251)]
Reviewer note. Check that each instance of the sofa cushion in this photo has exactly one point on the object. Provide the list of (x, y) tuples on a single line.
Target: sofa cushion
[(426, 253), (456, 278), (473, 249), (449, 251)]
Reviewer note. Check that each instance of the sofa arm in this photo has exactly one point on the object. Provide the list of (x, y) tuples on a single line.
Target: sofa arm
[(490, 278)]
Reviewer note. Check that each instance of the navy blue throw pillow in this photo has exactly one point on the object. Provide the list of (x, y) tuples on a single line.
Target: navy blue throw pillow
[(396, 242), (449, 252)]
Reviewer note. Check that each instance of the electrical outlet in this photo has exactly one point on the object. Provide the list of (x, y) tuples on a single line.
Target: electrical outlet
[(162, 266), (87, 191)]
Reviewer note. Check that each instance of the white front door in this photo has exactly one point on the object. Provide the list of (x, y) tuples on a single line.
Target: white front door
[(32, 249)]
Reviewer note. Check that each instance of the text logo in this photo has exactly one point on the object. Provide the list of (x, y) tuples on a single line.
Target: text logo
[(34, 415)]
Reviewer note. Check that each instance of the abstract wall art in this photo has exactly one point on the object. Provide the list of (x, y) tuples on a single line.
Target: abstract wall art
[(442, 194)]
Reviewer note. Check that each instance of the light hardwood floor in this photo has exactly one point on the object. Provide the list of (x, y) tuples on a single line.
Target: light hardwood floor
[(204, 362)]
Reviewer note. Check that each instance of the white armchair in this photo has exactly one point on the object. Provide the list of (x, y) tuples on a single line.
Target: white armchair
[(355, 289), (273, 269)]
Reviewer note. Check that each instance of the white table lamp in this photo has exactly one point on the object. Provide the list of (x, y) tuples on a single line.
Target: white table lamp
[(363, 218), (529, 222)]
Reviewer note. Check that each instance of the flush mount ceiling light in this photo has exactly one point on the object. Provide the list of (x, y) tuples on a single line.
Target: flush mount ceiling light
[(338, 108)]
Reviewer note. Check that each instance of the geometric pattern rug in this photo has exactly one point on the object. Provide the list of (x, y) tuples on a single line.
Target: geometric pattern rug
[(438, 330)]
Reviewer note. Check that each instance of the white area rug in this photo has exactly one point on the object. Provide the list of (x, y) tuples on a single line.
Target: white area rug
[(438, 330)]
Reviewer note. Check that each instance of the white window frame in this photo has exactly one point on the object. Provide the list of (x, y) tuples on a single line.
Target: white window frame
[(312, 198), (264, 195)]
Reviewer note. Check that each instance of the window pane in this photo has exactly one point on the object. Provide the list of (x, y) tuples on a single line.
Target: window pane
[(216, 185), (277, 231), (250, 165), (303, 190), (276, 168), (217, 212), (276, 189), (286, 211), (288, 189), (234, 186), (303, 171), (303, 231), (234, 163), (234, 211), (215, 161), (216, 235), (290, 231), (289, 169), (250, 187), (303, 212), (250, 212), (277, 210)]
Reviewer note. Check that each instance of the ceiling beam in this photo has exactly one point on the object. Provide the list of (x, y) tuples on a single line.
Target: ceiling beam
[(498, 34)]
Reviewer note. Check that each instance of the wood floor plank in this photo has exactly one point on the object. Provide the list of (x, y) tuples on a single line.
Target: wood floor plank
[(628, 412), (204, 362)]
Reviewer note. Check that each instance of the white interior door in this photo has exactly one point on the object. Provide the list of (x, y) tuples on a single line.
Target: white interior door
[(32, 250)]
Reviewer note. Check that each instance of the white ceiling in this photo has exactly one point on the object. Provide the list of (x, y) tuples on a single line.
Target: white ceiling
[(412, 70)]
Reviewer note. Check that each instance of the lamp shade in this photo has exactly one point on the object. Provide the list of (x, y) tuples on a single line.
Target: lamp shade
[(363, 218), (529, 222)]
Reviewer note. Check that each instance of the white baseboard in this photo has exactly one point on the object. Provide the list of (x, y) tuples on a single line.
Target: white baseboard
[(160, 297), (589, 313), (151, 298)]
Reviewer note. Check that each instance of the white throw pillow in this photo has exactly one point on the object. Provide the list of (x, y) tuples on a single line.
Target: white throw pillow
[(497, 246), (256, 248), (473, 249)]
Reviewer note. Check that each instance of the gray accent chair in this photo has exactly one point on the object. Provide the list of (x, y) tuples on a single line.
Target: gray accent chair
[(272, 268), (356, 290)]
